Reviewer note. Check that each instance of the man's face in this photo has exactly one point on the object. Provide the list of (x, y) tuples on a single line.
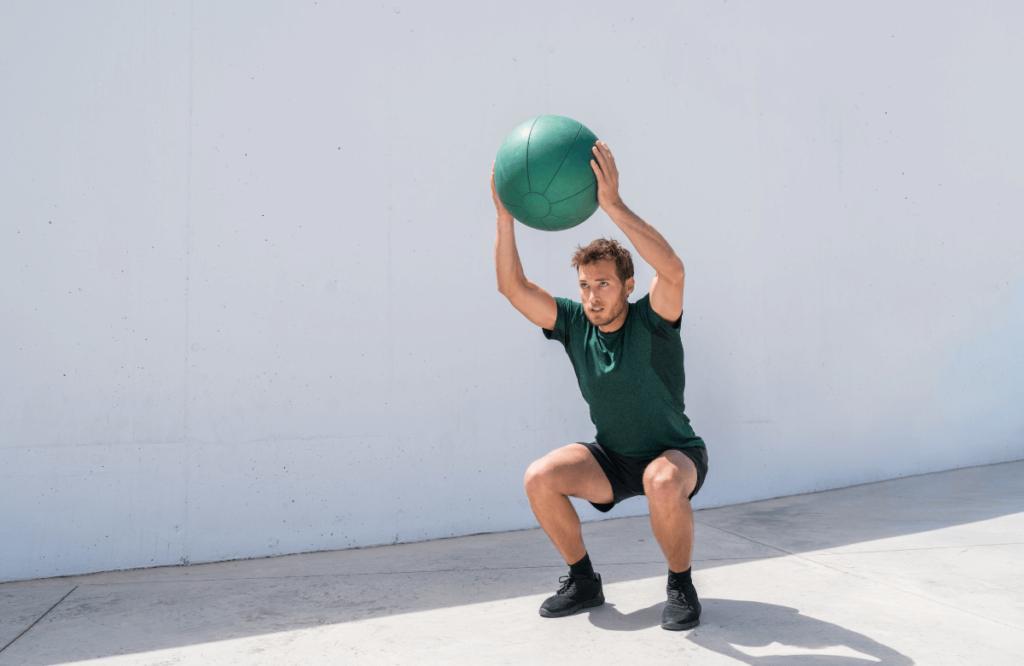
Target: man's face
[(602, 293)]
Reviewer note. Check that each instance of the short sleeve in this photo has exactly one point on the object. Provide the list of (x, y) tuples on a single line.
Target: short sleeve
[(569, 312), (652, 320)]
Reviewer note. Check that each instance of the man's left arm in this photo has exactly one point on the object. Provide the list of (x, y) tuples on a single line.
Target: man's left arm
[(667, 285)]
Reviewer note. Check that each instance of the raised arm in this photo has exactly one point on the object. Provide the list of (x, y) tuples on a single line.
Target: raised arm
[(536, 304), (667, 285)]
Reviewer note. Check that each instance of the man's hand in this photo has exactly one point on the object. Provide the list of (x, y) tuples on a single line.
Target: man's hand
[(607, 175), (502, 212)]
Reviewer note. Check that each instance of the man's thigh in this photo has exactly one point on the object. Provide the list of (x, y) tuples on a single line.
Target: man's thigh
[(573, 471)]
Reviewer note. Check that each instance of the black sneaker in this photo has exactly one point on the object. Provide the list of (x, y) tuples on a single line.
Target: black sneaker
[(682, 610), (575, 593)]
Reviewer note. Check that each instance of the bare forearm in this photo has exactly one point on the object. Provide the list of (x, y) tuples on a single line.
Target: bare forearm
[(651, 245), (533, 302), (506, 256)]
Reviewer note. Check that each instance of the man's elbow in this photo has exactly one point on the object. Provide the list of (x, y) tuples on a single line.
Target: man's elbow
[(674, 273), (506, 289)]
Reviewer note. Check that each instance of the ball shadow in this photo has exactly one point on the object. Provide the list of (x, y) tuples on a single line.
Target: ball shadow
[(782, 635)]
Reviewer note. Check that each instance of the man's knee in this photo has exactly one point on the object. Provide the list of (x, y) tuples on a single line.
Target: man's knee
[(556, 472), (665, 482), (663, 485), (538, 477)]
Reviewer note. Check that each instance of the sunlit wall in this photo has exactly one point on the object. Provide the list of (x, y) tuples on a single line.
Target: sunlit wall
[(246, 280)]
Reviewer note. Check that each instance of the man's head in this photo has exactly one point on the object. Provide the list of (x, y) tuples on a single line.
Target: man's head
[(605, 272)]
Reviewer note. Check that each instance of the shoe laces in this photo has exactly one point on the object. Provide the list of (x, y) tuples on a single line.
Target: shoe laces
[(567, 583), (678, 595)]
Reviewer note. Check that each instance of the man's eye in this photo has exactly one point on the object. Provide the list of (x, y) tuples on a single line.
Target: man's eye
[(604, 284)]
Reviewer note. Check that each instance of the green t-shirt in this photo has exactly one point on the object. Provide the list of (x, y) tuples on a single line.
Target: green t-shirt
[(632, 379)]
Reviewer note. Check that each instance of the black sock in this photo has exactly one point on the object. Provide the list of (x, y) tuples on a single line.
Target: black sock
[(583, 568), (679, 579)]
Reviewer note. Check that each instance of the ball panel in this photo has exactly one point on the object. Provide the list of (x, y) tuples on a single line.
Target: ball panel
[(551, 140), (507, 191), (591, 186), (536, 205), (515, 211), (511, 199), (508, 196), (576, 173), (511, 159), (555, 223), (578, 207)]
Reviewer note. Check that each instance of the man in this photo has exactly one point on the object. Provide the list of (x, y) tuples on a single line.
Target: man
[(628, 359)]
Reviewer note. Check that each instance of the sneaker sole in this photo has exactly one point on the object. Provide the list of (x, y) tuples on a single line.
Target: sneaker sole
[(680, 627), (569, 611)]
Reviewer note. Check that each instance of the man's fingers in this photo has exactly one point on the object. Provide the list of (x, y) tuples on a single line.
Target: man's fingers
[(607, 152), (604, 156), (607, 161)]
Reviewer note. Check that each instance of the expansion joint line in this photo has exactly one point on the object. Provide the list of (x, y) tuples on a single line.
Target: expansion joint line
[(865, 578), (25, 630)]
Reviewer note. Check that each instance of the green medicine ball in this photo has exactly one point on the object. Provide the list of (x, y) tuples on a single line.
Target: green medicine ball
[(543, 173)]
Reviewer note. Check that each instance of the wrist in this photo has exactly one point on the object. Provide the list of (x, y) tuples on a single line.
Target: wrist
[(615, 206)]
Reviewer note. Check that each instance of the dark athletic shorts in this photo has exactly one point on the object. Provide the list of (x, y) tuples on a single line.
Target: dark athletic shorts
[(627, 474)]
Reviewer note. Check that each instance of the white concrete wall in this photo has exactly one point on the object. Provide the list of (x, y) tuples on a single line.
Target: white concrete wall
[(246, 281)]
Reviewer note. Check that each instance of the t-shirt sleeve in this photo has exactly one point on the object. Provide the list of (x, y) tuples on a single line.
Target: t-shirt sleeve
[(653, 321), (568, 313)]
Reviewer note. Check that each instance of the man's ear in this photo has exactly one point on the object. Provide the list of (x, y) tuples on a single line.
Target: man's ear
[(630, 283)]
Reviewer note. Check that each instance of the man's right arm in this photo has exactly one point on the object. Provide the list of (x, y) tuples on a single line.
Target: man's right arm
[(536, 304)]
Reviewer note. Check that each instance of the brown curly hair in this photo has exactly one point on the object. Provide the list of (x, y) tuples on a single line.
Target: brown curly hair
[(601, 249)]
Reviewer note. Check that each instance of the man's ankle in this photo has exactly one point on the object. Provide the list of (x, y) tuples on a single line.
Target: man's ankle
[(680, 579), (583, 568)]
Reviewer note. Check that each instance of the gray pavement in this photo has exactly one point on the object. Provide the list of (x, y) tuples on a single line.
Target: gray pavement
[(922, 570)]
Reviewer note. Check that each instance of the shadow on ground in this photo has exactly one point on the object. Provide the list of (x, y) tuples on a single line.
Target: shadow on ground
[(771, 635), (762, 634)]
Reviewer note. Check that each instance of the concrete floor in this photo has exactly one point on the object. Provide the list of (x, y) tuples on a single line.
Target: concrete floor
[(924, 570)]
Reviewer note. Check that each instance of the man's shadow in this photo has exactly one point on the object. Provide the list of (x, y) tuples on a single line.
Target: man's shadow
[(762, 634)]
